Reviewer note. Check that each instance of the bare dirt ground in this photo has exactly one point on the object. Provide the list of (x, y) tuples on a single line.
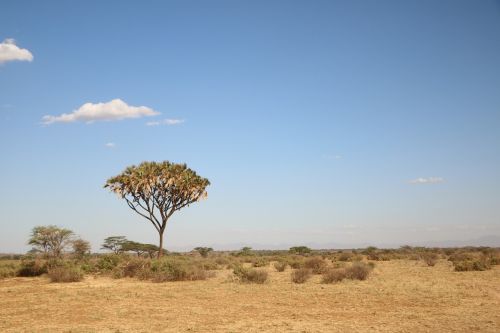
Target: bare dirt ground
[(400, 296)]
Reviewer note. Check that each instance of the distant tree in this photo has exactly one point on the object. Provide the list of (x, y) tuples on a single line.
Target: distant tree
[(50, 240), (140, 248), (114, 243), (299, 250), (204, 251), (80, 247), (156, 190), (245, 251)]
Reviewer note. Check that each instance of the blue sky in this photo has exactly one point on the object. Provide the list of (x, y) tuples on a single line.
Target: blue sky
[(317, 122)]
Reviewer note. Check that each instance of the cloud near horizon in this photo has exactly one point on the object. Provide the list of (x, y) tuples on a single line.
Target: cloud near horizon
[(168, 122), (9, 51), (111, 111), (429, 180), (110, 145)]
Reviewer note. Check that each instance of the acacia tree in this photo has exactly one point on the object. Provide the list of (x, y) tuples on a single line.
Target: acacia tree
[(51, 240), (80, 247), (203, 251), (156, 190), (114, 243)]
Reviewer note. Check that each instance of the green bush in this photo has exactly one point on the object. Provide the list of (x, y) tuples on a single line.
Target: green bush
[(65, 273), (301, 275), (108, 262), (170, 269)]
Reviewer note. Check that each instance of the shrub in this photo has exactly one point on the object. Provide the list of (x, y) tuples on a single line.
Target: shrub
[(168, 269), (470, 261), (358, 271), (316, 264), (333, 275), (346, 256), (280, 266), (108, 262), (471, 265), (296, 262), (301, 275), (66, 273), (32, 267), (260, 262), (209, 265), (430, 258), (250, 275), (8, 270), (223, 261)]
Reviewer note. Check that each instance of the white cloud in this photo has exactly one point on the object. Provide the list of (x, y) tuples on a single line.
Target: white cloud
[(168, 122), (110, 111), (110, 145), (9, 51), (429, 180)]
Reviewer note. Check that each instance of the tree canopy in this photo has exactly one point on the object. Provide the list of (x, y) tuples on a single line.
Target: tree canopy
[(155, 190), (50, 240)]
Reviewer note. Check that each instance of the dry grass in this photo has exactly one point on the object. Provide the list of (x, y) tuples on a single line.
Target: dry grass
[(399, 296)]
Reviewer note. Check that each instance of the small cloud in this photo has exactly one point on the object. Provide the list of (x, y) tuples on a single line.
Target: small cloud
[(110, 111), (429, 180), (110, 145), (168, 122), (9, 51)]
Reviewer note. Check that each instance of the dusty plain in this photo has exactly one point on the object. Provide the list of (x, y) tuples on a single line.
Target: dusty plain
[(399, 296)]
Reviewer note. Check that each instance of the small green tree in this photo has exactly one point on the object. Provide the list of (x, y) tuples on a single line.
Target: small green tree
[(157, 190), (114, 243), (204, 251), (80, 247), (50, 240)]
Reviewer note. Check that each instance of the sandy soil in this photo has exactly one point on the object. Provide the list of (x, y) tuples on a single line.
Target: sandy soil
[(400, 296)]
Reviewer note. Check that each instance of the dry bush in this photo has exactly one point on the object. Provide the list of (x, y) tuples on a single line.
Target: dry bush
[(316, 264), (32, 267), (296, 262), (430, 258), (333, 275), (260, 262), (8, 269), (358, 271), (209, 264), (66, 273), (280, 266), (345, 256), (301, 275), (470, 261), (250, 275), (472, 265)]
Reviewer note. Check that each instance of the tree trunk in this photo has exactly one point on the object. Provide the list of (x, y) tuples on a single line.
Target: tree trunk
[(160, 250)]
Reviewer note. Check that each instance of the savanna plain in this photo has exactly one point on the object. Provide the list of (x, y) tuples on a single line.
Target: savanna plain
[(371, 290)]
